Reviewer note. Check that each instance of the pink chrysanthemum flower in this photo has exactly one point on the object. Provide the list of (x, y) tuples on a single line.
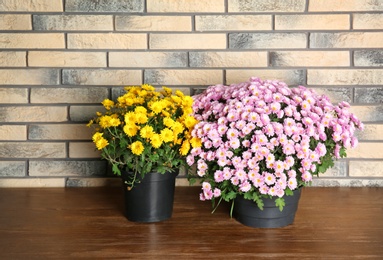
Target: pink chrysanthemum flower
[(216, 192), (245, 186), (232, 133), (269, 178), (292, 183), (218, 176)]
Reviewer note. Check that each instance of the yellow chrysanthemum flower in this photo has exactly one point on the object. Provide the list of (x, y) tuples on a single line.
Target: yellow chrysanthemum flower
[(178, 141), (156, 107), (130, 129), (156, 140), (141, 118), (166, 103), (129, 101), (104, 121), (90, 123), (196, 142), (101, 143), (177, 127), (114, 122), (169, 122), (107, 103), (97, 136), (187, 101), (130, 118), (133, 90), (121, 100), (190, 121), (140, 109), (137, 148), (188, 111), (179, 93), (143, 93), (176, 99), (148, 87), (138, 100), (146, 131), (167, 135), (185, 147), (165, 113), (166, 91)]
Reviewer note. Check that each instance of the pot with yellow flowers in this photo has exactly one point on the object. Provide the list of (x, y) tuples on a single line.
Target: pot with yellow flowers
[(145, 135)]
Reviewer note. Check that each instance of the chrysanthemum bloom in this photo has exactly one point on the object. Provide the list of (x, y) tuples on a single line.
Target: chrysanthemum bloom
[(190, 121), (130, 129), (168, 122), (146, 131), (130, 118), (177, 128), (105, 121), (156, 140), (113, 122), (167, 135), (269, 178), (287, 134), (156, 107), (97, 136), (140, 109), (141, 118), (185, 147), (137, 147), (101, 143), (195, 142), (107, 104)]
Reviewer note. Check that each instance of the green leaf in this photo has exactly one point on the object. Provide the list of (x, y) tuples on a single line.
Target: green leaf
[(148, 167), (289, 192), (248, 196), (123, 143), (322, 168), (280, 203), (342, 152), (116, 170), (230, 196), (192, 181), (259, 202)]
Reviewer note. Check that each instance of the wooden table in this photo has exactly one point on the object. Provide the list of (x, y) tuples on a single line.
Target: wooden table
[(84, 223)]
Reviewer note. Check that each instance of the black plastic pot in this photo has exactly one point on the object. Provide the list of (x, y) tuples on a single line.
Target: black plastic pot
[(151, 200), (247, 212)]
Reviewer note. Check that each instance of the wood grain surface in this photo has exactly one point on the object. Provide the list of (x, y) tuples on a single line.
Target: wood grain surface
[(88, 223)]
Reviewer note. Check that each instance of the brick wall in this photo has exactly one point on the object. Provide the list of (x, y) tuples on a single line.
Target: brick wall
[(59, 59)]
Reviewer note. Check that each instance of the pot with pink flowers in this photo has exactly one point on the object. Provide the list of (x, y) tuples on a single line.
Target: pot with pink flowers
[(259, 142)]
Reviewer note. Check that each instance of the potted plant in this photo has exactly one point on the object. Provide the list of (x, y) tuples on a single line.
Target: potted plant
[(145, 136), (261, 141)]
